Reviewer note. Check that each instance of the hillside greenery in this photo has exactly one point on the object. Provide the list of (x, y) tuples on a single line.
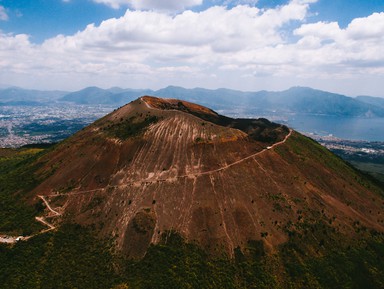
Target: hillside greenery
[(68, 258), (17, 178), (309, 151), (129, 127), (73, 258)]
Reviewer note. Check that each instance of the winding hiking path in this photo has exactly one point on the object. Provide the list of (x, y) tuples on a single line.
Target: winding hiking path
[(153, 180), (48, 206), (42, 220), (240, 160), (13, 239)]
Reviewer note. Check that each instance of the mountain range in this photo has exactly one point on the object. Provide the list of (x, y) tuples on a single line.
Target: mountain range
[(13, 95), (165, 193), (294, 100), (372, 100)]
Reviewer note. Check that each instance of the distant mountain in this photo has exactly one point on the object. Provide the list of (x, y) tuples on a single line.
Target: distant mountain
[(112, 96), (308, 100), (218, 99), (378, 101), (16, 94), (130, 94), (89, 95), (294, 100)]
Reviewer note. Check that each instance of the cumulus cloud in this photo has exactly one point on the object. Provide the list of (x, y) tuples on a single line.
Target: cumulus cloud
[(242, 44), (177, 5), (359, 42), (369, 27), (3, 14), (141, 29)]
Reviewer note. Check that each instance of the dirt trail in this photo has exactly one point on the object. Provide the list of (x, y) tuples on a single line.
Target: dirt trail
[(42, 220), (8, 239), (48, 206), (13, 239), (154, 180), (240, 160)]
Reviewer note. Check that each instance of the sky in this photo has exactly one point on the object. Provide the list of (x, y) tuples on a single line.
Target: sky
[(249, 45)]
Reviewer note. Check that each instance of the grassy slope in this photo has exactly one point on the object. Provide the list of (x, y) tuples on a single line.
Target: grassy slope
[(376, 170), (73, 257), (310, 152), (17, 178), (69, 258)]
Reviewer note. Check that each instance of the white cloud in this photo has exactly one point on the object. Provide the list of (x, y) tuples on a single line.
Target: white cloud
[(177, 5), (241, 47), (369, 27), (358, 44), (3, 14), (139, 29)]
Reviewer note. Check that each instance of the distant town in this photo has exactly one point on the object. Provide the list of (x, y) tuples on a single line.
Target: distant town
[(22, 125)]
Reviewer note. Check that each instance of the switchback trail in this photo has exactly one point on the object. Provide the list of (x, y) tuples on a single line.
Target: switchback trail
[(13, 239), (48, 206)]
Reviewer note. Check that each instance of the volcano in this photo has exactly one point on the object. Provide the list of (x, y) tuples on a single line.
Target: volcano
[(156, 166)]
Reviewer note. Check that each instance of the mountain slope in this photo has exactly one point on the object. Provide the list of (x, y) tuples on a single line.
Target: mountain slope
[(169, 194), (295, 99), (308, 100), (89, 95), (156, 166), (372, 100), (95, 95)]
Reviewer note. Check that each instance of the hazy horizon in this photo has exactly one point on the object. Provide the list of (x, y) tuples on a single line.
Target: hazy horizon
[(2, 87)]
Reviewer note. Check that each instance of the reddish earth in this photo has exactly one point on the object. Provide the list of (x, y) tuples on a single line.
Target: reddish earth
[(157, 165)]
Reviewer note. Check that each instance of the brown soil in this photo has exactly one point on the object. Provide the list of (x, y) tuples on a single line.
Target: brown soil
[(210, 178)]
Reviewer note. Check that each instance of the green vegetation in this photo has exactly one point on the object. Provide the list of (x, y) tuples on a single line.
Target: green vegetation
[(359, 266), (308, 151), (373, 169), (69, 258), (73, 258), (176, 264), (17, 177), (129, 127)]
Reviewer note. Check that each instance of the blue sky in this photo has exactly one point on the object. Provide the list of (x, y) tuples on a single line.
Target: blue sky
[(43, 19), (333, 45)]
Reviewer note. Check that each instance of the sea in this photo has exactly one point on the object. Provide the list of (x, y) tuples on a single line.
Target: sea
[(349, 128), (340, 127)]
